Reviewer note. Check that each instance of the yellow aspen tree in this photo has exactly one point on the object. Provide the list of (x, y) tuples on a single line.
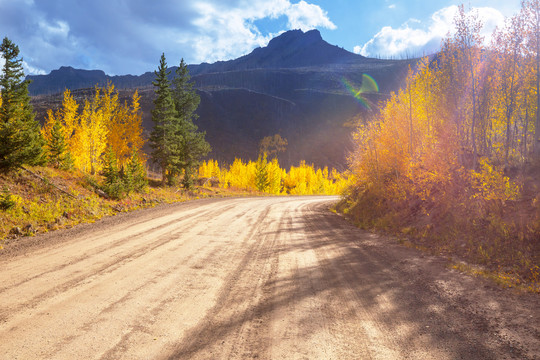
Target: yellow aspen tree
[(97, 135), (108, 102), (531, 9), (58, 130), (409, 90), (275, 173), (69, 115), (216, 171), (79, 145), (133, 125), (527, 107), (116, 137), (509, 49), (469, 41), (48, 125), (112, 115), (124, 124), (203, 169), (91, 136), (426, 115)]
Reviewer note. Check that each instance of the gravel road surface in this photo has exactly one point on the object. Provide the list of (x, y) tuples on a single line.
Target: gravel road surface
[(245, 278)]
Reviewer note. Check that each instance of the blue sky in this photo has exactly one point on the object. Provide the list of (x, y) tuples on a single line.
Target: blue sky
[(128, 36)]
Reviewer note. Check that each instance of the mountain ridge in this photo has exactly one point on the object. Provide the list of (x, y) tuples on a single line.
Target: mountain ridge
[(291, 49), (298, 86)]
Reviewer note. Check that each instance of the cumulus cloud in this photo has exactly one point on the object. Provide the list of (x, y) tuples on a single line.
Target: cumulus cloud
[(415, 38), (227, 32), (307, 16), (123, 37)]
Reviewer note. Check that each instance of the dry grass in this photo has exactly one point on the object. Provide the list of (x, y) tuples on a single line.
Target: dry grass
[(494, 239), (39, 205)]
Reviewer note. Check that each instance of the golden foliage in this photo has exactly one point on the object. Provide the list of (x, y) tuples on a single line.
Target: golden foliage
[(102, 123), (301, 180), (433, 161)]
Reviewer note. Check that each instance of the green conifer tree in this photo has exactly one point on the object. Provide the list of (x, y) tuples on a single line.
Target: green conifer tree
[(6, 199), (164, 138), (135, 174), (20, 139), (56, 146), (113, 184), (193, 145)]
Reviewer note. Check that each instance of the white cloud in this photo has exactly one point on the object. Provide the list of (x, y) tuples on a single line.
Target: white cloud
[(307, 16), (392, 6), (415, 40), (123, 37), (225, 33), (28, 69)]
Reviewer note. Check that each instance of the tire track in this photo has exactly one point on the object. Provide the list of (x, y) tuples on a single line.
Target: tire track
[(265, 278), (119, 259)]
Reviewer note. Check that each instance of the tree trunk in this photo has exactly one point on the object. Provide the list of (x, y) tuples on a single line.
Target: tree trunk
[(536, 145)]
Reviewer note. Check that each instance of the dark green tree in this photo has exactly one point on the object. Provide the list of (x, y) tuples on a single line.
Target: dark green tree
[(56, 147), (135, 178), (164, 138), (113, 184), (20, 139), (177, 145), (193, 145), (6, 199)]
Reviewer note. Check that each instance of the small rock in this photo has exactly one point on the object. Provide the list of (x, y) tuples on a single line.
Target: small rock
[(29, 229), (102, 194), (16, 231)]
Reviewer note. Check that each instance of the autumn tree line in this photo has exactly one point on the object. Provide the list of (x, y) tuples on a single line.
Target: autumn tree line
[(445, 147), (472, 107), (101, 135), (267, 176)]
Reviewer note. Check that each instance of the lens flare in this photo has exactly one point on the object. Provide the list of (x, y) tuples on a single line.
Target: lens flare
[(369, 85)]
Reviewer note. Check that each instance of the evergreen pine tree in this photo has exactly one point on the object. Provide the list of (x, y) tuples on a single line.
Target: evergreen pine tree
[(113, 185), (164, 138), (20, 138), (6, 199), (135, 174), (193, 145), (56, 146)]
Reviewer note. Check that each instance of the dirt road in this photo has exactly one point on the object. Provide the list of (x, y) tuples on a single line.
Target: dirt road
[(266, 278)]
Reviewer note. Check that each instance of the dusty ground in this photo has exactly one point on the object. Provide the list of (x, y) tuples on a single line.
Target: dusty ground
[(267, 278)]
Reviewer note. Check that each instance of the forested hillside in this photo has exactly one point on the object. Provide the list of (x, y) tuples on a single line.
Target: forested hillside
[(297, 86), (452, 160)]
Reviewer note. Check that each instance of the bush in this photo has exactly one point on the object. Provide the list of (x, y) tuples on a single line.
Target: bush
[(113, 185), (6, 200)]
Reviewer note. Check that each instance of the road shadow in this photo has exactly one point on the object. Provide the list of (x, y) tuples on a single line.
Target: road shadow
[(359, 277)]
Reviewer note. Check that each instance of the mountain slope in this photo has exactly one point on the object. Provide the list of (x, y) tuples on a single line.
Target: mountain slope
[(294, 87)]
